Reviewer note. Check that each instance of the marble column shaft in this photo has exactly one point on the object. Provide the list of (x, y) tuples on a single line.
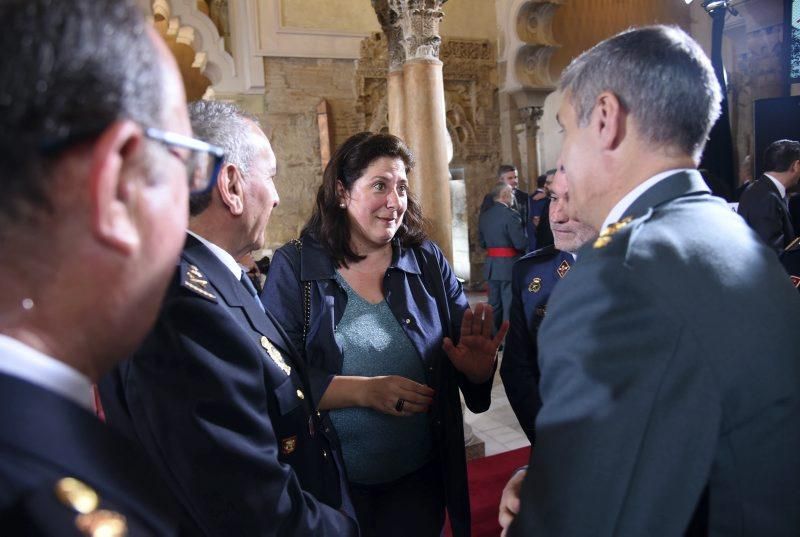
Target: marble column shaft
[(426, 135)]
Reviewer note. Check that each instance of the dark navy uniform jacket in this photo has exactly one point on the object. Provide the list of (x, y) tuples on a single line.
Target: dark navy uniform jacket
[(536, 209), (426, 298), (533, 278), (670, 381), (44, 438), (220, 400)]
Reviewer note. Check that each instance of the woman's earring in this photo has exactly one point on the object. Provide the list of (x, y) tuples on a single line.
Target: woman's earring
[(342, 205)]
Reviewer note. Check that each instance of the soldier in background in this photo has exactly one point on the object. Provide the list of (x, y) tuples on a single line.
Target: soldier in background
[(502, 234), (534, 277)]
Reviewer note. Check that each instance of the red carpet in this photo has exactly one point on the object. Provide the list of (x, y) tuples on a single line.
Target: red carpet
[(487, 477)]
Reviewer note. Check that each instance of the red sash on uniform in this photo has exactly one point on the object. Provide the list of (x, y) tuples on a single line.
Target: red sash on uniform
[(505, 251)]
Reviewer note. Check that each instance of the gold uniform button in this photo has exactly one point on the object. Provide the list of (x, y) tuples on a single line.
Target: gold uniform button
[(102, 523), (300, 394), (77, 495), (324, 454)]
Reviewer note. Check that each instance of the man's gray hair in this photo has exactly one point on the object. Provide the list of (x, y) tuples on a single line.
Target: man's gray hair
[(662, 78), (498, 189), (227, 126)]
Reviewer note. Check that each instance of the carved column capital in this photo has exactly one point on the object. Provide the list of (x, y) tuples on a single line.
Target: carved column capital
[(531, 115), (419, 23), (389, 19)]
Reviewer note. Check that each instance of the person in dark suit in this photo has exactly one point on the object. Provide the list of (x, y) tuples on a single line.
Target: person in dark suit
[(507, 174), (655, 417), (88, 172), (533, 278), (217, 395), (502, 235), (763, 204)]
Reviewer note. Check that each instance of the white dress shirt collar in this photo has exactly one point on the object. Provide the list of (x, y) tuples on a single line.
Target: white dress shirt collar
[(778, 185), (24, 362), (622, 205), (226, 258)]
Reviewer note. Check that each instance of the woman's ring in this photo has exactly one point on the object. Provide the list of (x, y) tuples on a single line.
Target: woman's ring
[(399, 406)]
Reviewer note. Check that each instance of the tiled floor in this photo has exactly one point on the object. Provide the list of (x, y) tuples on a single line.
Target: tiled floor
[(498, 426)]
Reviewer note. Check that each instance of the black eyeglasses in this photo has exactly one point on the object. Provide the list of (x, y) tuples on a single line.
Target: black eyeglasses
[(203, 164)]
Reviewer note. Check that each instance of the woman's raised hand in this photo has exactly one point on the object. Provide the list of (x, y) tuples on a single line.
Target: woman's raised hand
[(475, 353)]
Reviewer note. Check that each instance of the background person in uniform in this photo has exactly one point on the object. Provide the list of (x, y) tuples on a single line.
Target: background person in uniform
[(763, 204), (501, 233), (656, 418), (537, 208), (532, 280), (389, 338), (507, 174), (84, 174), (217, 395)]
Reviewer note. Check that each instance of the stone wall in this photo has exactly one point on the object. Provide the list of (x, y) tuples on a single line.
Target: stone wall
[(294, 88)]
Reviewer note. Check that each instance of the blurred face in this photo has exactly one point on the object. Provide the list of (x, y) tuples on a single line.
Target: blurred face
[(260, 194), (376, 203), (510, 178), (159, 199), (579, 160), (506, 196), (568, 234)]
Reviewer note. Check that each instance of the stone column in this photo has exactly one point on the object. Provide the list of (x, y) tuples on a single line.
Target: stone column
[(389, 19), (425, 125), (528, 141)]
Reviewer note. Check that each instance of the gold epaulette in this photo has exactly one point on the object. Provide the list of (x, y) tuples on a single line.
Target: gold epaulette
[(605, 236), (194, 280)]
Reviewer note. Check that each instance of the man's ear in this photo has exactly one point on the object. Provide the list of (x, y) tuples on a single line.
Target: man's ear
[(231, 189), (609, 119), (115, 158)]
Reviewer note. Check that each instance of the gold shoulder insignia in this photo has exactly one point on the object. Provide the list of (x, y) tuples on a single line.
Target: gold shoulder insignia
[(792, 245), (605, 236), (194, 280)]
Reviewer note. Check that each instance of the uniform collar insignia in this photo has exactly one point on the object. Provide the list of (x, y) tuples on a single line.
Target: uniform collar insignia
[(194, 280), (795, 281), (605, 237), (563, 268)]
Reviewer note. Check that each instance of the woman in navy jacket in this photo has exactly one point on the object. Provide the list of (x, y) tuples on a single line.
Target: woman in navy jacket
[(389, 339)]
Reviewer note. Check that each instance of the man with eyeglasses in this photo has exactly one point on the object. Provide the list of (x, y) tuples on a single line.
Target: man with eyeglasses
[(85, 179), (217, 394)]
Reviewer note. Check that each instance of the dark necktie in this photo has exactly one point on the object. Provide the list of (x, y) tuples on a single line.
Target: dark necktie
[(251, 289)]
